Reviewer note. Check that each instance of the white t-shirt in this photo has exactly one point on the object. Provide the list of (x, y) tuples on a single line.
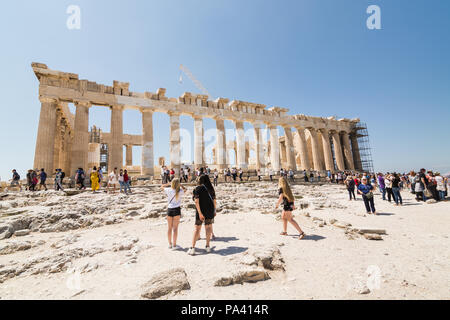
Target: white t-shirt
[(112, 177), (440, 183), (388, 183), (172, 199)]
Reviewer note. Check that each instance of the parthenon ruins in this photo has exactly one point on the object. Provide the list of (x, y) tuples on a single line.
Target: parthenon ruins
[(64, 140)]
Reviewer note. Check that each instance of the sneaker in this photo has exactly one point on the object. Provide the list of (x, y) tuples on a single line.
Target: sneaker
[(191, 251), (208, 249)]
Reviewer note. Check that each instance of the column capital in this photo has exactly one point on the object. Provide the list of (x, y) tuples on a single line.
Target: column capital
[(82, 103), (46, 99), (197, 117), (257, 124), (174, 113), (146, 110), (219, 118), (119, 107)]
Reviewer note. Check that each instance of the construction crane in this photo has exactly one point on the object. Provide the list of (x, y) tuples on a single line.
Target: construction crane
[(197, 83)]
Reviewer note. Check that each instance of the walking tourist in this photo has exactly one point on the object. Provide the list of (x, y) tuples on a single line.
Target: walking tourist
[(79, 178), (287, 198), (174, 193), (15, 181), (112, 181), (350, 184), (43, 179), (365, 190), (388, 184), (126, 181), (396, 190), (95, 180), (440, 185), (205, 211), (382, 186), (58, 180)]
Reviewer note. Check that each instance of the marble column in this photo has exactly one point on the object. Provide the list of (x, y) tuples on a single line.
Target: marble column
[(338, 151), (348, 155), (315, 150), (274, 148), (304, 157), (221, 149), (147, 165), (240, 145), (175, 150), (329, 163), (80, 144), (115, 150), (45, 147), (259, 147), (198, 142), (290, 150), (355, 151), (57, 142), (129, 155), (65, 155)]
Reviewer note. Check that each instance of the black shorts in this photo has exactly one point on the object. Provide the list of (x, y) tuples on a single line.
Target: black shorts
[(288, 207), (207, 222), (173, 212)]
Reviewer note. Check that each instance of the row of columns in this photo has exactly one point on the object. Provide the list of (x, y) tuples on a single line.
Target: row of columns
[(49, 140)]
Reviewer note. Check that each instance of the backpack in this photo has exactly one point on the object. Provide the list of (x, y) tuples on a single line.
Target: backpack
[(63, 174), (16, 176)]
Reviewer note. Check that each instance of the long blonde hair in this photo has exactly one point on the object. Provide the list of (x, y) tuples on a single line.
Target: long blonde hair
[(176, 186), (286, 189)]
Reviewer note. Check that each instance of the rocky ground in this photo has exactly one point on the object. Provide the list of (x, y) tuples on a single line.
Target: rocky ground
[(71, 245)]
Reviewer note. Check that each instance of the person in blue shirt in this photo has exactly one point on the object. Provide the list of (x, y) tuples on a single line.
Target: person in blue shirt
[(43, 178), (365, 189)]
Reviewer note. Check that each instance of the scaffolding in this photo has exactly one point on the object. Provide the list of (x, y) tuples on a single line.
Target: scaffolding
[(95, 137), (364, 160)]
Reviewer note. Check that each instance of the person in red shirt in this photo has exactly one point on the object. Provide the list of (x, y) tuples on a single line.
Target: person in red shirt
[(127, 181)]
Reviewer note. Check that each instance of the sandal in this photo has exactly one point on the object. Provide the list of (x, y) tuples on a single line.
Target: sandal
[(283, 234), (301, 236)]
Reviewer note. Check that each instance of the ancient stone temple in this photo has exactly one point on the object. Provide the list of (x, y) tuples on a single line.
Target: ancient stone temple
[(64, 140)]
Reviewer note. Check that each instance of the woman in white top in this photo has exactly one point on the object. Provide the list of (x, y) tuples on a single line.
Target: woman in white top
[(174, 192), (440, 186)]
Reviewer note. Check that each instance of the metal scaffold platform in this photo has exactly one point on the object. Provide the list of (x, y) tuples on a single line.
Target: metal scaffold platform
[(365, 150)]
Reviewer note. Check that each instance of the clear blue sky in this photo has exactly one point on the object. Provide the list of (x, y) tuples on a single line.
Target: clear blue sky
[(314, 57)]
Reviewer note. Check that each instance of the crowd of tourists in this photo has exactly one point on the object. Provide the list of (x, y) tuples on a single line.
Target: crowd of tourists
[(424, 184)]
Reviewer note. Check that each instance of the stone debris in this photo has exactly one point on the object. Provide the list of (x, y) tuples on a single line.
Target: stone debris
[(250, 275), (372, 236), (368, 230), (14, 246), (268, 258), (164, 283)]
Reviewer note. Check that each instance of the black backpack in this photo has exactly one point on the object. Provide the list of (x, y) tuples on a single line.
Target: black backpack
[(63, 174)]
